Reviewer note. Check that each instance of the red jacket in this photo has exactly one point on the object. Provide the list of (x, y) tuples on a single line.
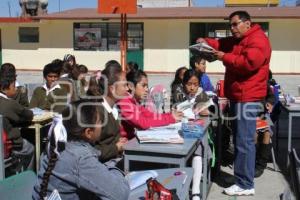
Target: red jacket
[(247, 64), (134, 115)]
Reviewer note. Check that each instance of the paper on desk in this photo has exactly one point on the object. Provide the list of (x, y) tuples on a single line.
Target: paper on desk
[(137, 179), (159, 136), (175, 126)]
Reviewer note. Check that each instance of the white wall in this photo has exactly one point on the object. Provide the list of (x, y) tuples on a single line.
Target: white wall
[(165, 45)]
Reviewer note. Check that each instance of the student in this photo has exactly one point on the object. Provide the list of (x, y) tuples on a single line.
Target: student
[(41, 94), (177, 87), (112, 88), (193, 92), (263, 137), (15, 116), (131, 66), (198, 64), (73, 167), (21, 95), (134, 115), (70, 59), (81, 83)]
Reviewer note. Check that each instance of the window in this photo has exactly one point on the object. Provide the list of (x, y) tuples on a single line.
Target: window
[(29, 34), (106, 36), (216, 30), (135, 36)]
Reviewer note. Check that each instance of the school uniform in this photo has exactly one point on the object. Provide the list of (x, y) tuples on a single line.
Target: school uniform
[(15, 116), (42, 95), (110, 133)]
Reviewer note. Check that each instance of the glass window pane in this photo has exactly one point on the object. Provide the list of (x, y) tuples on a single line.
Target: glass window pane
[(29, 34)]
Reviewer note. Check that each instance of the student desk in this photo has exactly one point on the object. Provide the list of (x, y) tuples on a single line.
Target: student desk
[(159, 153), (38, 123), (168, 179), (171, 154), (293, 110)]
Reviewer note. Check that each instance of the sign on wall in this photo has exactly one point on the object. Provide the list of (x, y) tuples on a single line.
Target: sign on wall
[(87, 39)]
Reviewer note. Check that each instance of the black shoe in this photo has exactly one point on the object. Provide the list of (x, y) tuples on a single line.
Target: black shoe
[(258, 172)]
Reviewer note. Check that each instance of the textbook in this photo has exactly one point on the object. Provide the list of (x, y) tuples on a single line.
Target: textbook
[(136, 179), (159, 136), (204, 50)]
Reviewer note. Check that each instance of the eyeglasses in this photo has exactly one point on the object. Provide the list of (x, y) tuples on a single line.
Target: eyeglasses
[(235, 24)]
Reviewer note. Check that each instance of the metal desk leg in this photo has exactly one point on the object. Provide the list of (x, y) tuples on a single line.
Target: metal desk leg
[(289, 138), (37, 145), (205, 163), (126, 164)]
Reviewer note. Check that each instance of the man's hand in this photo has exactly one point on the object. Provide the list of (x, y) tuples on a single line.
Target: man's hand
[(219, 54), (201, 40)]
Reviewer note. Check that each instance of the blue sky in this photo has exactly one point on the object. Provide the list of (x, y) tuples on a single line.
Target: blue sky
[(68, 4)]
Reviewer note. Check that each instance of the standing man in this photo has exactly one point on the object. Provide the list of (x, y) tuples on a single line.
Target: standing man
[(246, 57)]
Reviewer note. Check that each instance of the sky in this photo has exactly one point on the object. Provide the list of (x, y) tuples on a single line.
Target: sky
[(56, 5)]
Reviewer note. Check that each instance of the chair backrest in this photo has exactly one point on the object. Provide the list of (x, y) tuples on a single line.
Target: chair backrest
[(157, 98), (19, 186), (295, 172)]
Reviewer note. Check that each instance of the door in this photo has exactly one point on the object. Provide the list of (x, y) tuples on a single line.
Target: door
[(135, 50), (0, 49)]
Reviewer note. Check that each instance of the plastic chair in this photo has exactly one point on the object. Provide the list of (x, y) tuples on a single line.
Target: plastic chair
[(6, 158), (157, 97), (18, 186)]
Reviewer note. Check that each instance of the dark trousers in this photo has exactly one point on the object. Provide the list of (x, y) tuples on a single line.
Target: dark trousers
[(244, 128)]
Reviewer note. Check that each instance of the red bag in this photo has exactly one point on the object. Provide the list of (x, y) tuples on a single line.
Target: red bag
[(157, 191), (220, 88), (7, 144)]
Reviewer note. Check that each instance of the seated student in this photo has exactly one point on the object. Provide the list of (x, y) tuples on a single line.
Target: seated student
[(133, 114), (193, 92), (67, 91), (112, 87), (72, 167), (177, 87), (41, 94), (263, 137), (199, 64), (15, 116), (78, 76), (21, 95)]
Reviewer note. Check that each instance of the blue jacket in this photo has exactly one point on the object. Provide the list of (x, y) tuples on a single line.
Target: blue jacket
[(206, 83), (78, 174)]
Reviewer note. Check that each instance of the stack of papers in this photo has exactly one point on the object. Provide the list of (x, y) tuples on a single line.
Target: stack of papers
[(204, 50), (137, 179), (159, 136), (175, 126), (41, 115)]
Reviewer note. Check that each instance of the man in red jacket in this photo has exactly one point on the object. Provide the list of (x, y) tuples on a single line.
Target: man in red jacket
[(246, 57)]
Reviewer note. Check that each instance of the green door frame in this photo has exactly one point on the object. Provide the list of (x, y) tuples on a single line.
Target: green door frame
[(137, 55)]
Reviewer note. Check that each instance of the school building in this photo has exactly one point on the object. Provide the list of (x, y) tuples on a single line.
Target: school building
[(158, 38)]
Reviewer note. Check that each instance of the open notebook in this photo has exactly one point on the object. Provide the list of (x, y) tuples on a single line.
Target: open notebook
[(137, 179)]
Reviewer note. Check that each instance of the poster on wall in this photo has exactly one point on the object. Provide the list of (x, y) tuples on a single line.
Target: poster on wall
[(87, 39)]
